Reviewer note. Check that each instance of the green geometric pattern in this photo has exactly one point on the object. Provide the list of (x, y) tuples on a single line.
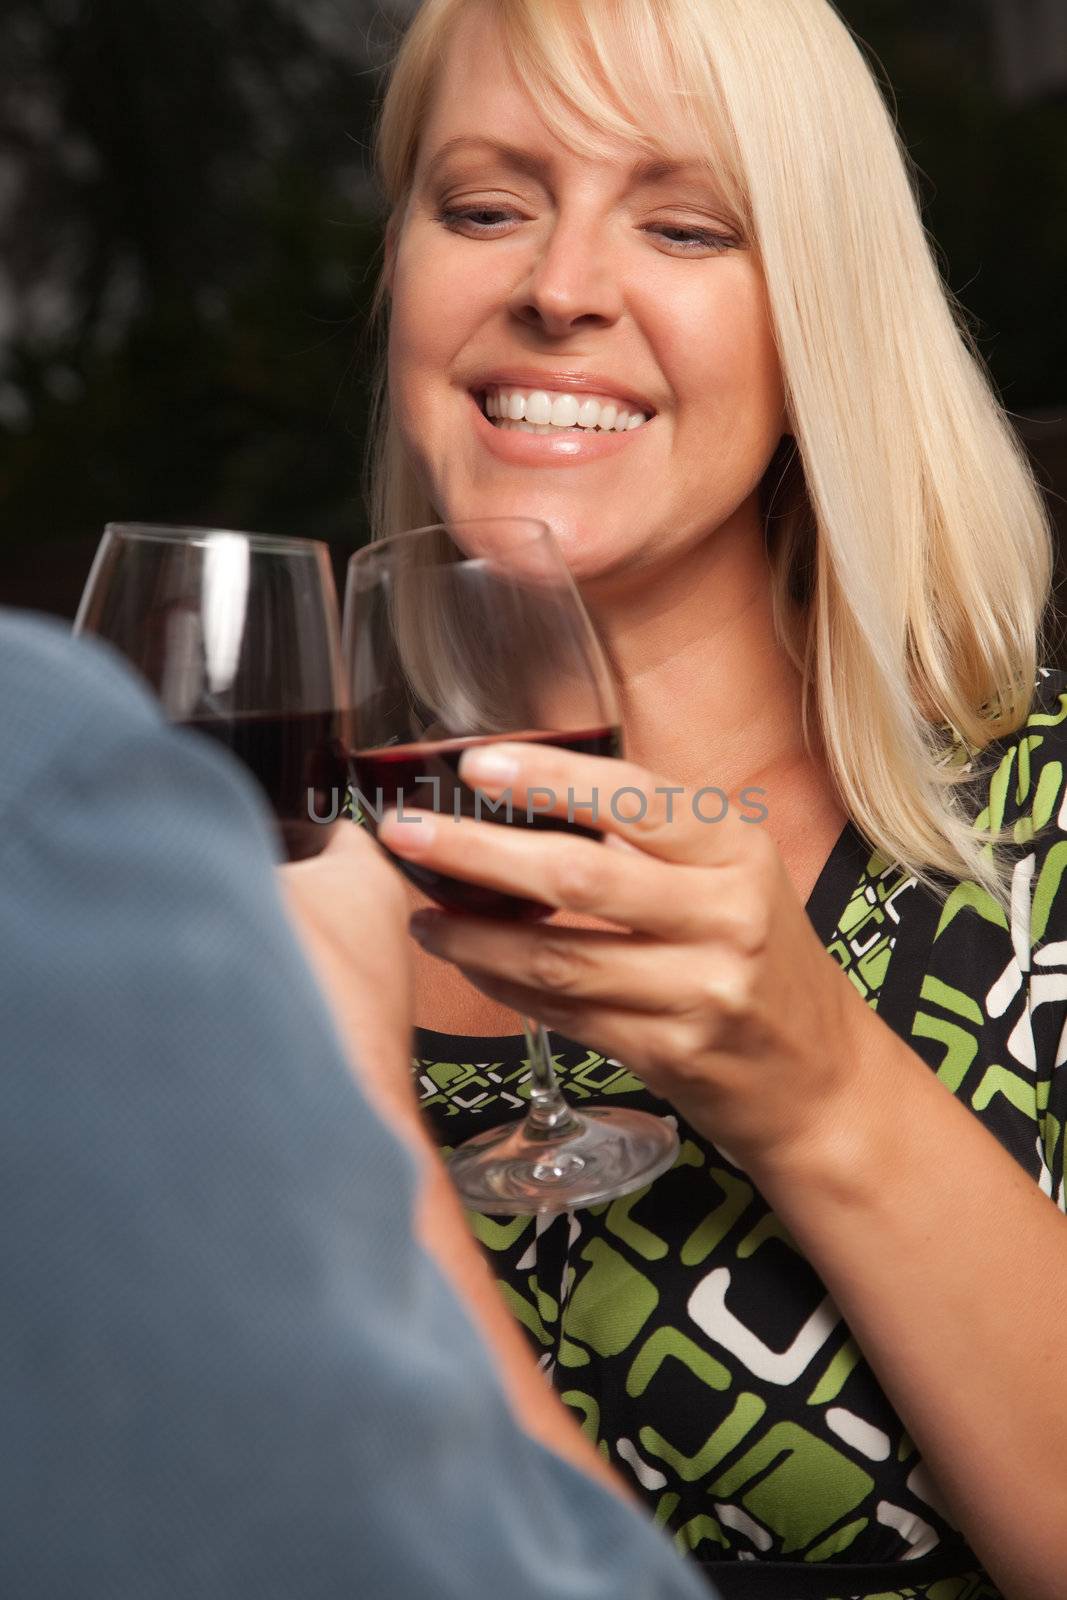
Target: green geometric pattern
[(694, 1343), (867, 928)]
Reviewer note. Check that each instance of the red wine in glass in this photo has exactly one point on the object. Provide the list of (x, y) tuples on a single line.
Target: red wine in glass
[(298, 760), (425, 776), (471, 632), (237, 635)]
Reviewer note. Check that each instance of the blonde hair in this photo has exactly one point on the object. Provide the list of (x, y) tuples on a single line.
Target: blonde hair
[(910, 550)]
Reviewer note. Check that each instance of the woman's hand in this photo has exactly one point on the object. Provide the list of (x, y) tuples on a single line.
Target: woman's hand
[(715, 990), (350, 910)]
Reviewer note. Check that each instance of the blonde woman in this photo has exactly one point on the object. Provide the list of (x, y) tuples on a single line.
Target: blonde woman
[(826, 1346)]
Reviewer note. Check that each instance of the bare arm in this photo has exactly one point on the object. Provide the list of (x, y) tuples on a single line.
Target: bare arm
[(950, 1266)]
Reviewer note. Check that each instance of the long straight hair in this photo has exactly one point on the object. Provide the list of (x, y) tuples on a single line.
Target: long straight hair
[(909, 547)]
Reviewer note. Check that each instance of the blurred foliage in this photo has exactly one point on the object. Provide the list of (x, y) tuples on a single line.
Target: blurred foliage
[(189, 242)]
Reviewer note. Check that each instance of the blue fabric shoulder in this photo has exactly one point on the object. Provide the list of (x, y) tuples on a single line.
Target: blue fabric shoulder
[(55, 692), (226, 1368)]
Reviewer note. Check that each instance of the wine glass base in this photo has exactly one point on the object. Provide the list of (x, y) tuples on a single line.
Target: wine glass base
[(607, 1152)]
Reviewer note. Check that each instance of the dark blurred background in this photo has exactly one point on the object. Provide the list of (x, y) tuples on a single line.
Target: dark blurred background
[(189, 235)]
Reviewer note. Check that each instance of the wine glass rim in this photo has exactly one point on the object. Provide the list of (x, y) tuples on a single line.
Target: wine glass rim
[(540, 530), (201, 537)]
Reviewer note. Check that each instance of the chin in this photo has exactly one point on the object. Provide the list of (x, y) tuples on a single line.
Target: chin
[(580, 546), (588, 552)]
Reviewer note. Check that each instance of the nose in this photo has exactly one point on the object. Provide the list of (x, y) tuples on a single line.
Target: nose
[(570, 284)]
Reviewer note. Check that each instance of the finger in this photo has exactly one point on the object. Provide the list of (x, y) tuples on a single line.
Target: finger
[(618, 1035), (624, 971), (620, 798), (573, 874)]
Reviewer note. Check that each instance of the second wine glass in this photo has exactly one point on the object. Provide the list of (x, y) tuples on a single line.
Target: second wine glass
[(463, 633), (237, 634)]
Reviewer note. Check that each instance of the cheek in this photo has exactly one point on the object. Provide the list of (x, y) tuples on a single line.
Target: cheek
[(434, 311), (436, 299), (411, 396), (731, 373), (414, 330), (420, 313), (764, 390)]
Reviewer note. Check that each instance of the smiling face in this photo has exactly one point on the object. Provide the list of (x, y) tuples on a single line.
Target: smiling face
[(537, 270)]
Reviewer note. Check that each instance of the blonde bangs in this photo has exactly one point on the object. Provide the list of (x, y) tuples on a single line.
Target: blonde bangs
[(621, 72)]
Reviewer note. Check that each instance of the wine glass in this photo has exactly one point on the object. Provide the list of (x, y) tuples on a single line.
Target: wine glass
[(463, 633), (238, 635)]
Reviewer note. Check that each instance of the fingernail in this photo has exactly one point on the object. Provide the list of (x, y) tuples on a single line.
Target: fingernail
[(488, 764)]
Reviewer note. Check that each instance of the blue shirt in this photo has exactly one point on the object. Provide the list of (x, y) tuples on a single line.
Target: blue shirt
[(226, 1370)]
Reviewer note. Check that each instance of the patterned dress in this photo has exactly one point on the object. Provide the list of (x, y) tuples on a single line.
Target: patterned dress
[(681, 1323)]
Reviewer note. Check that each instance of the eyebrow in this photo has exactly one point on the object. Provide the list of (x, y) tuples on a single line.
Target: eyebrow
[(647, 171)]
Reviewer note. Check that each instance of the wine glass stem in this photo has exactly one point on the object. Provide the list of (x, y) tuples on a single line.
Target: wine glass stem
[(549, 1116)]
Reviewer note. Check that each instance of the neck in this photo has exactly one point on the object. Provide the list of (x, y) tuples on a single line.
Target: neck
[(708, 695)]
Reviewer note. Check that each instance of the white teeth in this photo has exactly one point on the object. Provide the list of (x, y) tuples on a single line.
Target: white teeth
[(564, 411), (541, 411), (538, 407)]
